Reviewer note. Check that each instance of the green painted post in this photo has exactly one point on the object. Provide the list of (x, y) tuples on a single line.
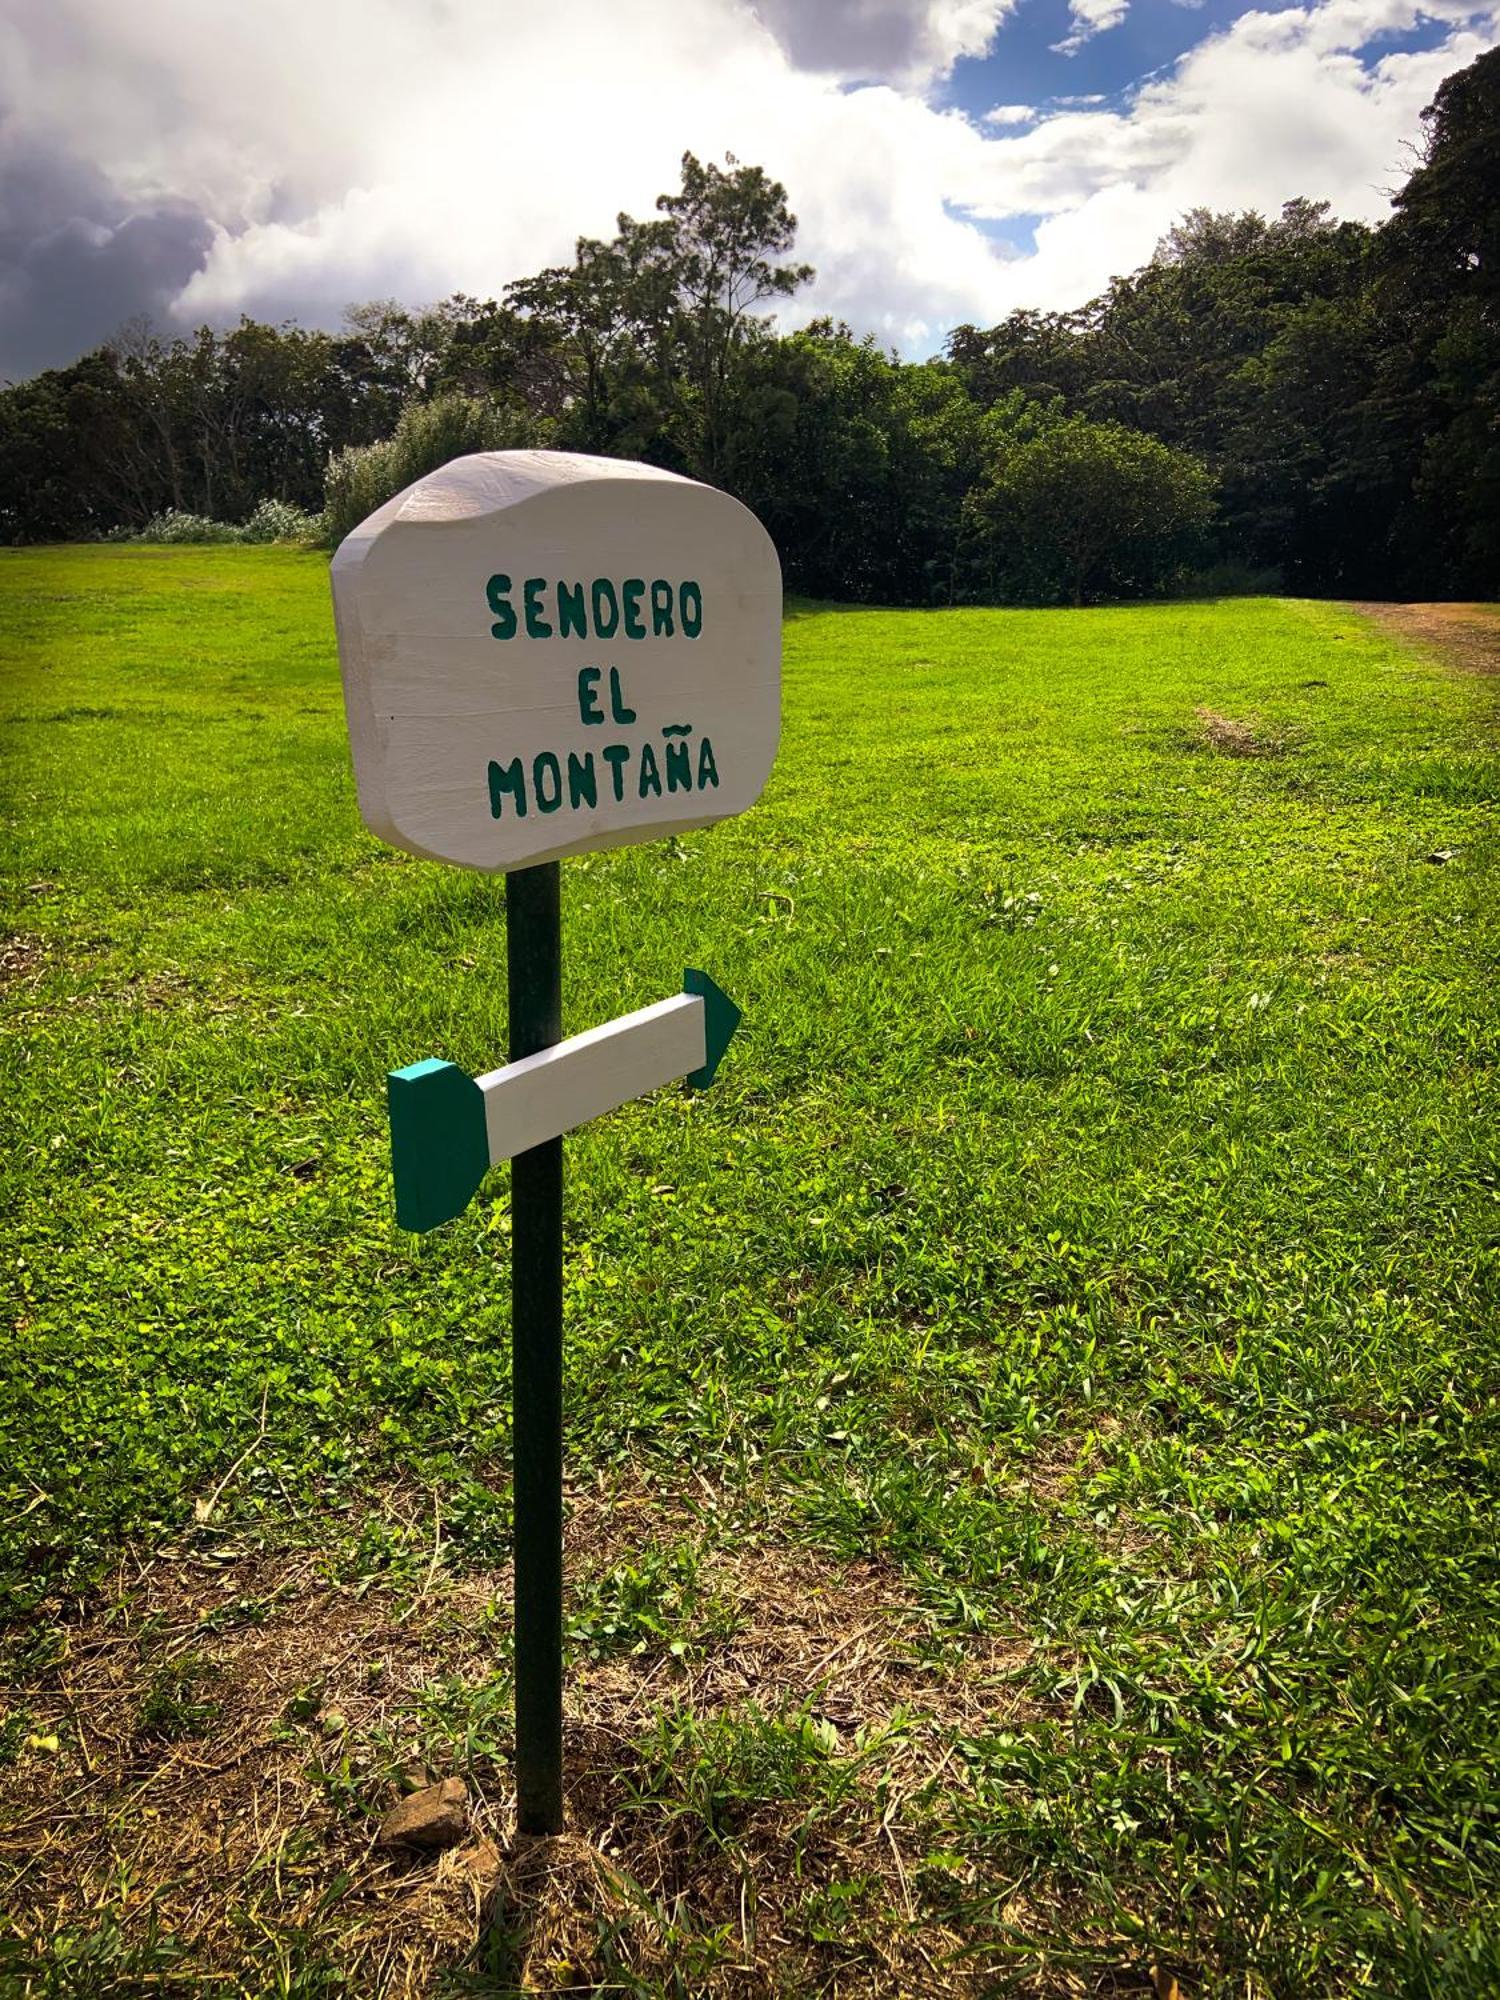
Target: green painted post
[(534, 965)]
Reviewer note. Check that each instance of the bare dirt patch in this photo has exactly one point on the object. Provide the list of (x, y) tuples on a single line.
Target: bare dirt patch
[(200, 1772), (1463, 636)]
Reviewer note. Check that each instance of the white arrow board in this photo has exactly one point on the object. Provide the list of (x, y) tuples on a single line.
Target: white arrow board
[(544, 652), (448, 1128), (573, 1081)]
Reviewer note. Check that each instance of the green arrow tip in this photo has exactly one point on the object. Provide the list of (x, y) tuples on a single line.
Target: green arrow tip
[(720, 1019), (440, 1148)]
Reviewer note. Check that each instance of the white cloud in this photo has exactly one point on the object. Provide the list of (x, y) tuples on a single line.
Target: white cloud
[(1278, 105), (1011, 114), (353, 148), (1087, 18)]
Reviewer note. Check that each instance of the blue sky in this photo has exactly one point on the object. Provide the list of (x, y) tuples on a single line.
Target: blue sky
[(1024, 66), (195, 159)]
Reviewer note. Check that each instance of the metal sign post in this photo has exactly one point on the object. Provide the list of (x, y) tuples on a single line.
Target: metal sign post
[(542, 654), (533, 923)]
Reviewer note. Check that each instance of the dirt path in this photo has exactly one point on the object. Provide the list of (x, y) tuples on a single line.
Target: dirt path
[(1464, 636)]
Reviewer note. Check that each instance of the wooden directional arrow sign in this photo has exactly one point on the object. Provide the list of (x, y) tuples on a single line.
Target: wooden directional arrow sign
[(448, 1128)]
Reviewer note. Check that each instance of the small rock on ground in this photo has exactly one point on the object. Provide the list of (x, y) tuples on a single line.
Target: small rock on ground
[(437, 1816)]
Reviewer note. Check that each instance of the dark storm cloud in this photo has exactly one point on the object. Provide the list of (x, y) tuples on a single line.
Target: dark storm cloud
[(878, 40), (76, 259)]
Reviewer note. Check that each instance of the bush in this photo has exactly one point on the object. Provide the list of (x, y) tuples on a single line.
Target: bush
[(1084, 511), (363, 477), (176, 526), (280, 521), (272, 521)]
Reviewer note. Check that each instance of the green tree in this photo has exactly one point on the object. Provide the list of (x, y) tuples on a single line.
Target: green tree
[(1311, 466), (647, 335), (1439, 295), (1179, 350), (603, 321), (58, 434), (857, 463), (1342, 386), (1042, 354), (728, 226)]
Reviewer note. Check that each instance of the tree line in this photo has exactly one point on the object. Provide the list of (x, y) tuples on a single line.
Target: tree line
[(1294, 402)]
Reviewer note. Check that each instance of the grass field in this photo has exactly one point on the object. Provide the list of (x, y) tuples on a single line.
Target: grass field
[(1031, 1426)]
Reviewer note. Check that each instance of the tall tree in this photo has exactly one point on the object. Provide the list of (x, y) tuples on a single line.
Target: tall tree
[(603, 322), (728, 227), (1440, 296)]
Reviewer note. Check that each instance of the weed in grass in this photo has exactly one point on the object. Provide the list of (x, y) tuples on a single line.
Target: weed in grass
[(304, 1702), (241, 1611), (174, 1703), (656, 1601), (97, 1962), (718, 1772), (36, 1651), (467, 1724), (344, 1783), (16, 1729)]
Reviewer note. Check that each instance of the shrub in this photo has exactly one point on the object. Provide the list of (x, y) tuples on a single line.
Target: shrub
[(1232, 578), (176, 526), (272, 521), (363, 477), (1083, 511), (280, 521)]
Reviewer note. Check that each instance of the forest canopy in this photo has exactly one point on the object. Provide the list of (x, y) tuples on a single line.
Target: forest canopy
[(1294, 401)]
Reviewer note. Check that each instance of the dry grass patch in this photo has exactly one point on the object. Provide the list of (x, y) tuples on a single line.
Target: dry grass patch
[(21, 960), (200, 1772), (1231, 738)]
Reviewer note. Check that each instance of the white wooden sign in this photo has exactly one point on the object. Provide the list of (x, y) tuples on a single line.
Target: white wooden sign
[(544, 652)]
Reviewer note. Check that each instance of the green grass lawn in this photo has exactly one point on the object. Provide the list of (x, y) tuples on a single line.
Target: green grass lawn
[(1088, 1248)]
